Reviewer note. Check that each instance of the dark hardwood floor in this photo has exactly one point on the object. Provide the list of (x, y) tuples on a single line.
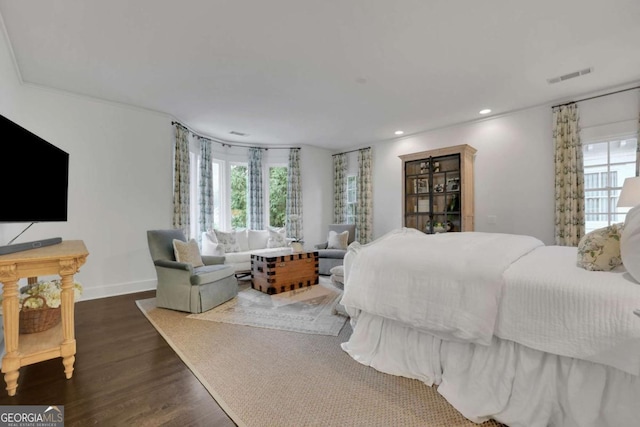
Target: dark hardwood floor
[(125, 374)]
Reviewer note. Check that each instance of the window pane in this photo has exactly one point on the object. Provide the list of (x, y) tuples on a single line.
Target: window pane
[(595, 154), (216, 169), (624, 151), (277, 195), (238, 196)]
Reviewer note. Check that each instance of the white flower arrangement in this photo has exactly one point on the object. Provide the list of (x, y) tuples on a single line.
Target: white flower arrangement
[(49, 290)]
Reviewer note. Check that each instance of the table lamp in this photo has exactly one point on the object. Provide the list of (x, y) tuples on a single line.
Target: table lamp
[(630, 194)]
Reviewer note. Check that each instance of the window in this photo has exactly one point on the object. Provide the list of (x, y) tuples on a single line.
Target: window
[(606, 165), (277, 195), (239, 195), (351, 199)]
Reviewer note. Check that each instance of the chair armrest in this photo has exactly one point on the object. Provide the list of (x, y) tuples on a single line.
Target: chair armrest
[(212, 259), (173, 264), (322, 245)]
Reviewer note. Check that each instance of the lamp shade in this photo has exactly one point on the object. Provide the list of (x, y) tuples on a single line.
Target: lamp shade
[(630, 194)]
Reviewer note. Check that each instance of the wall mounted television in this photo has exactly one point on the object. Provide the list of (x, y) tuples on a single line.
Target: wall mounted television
[(34, 175)]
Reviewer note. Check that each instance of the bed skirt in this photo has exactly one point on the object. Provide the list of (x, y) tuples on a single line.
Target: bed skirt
[(506, 381)]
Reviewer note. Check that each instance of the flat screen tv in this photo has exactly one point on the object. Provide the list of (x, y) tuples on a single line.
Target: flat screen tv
[(34, 175)]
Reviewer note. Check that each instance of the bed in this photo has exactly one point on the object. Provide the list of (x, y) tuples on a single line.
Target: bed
[(506, 327)]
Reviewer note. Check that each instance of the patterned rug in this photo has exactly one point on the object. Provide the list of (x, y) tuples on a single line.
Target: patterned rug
[(309, 310)]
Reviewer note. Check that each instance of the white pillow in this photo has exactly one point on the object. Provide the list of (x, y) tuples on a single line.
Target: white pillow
[(277, 238), (227, 240), (338, 240), (242, 239), (258, 239), (187, 252), (630, 243)]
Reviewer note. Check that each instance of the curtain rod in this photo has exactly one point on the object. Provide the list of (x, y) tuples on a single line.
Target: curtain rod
[(228, 144), (346, 152), (597, 96)]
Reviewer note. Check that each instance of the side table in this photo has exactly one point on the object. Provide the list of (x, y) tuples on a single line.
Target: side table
[(63, 259)]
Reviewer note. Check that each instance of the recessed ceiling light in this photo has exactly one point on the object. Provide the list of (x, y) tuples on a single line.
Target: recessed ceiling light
[(399, 132), (485, 111)]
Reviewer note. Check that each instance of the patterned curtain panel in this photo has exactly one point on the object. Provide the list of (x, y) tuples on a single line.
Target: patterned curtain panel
[(255, 198), (364, 210), (294, 196), (569, 176), (205, 220), (339, 188), (181, 180)]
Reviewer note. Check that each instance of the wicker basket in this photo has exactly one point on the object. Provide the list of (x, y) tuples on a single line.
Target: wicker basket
[(38, 319)]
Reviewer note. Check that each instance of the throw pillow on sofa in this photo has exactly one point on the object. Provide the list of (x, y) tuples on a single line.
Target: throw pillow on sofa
[(227, 240), (187, 252), (338, 240), (277, 238)]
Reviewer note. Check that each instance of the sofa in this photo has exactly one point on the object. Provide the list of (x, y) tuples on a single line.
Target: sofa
[(236, 246)]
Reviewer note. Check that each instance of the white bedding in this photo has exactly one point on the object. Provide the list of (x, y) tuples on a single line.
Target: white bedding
[(446, 284), (550, 304)]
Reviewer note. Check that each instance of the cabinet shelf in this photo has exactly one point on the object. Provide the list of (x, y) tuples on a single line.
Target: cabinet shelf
[(435, 181)]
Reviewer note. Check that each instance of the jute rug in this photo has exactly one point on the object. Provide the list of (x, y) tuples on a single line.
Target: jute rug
[(274, 378), (309, 310)]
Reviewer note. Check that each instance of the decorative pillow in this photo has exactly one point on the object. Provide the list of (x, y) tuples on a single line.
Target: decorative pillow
[(227, 240), (599, 250), (258, 239), (187, 252), (277, 238), (630, 243), (338, 240), (242, 239)]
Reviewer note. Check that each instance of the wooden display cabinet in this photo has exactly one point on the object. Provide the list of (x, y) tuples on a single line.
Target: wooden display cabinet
[(437, 189)]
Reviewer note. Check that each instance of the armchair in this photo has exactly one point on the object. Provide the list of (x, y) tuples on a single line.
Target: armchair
[(329, 258), (186, 288)]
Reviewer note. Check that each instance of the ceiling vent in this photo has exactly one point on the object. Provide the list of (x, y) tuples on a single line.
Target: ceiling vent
[(233, 132), (570, 75)]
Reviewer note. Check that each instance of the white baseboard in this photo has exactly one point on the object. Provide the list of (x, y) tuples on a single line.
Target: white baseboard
[(118, 289)]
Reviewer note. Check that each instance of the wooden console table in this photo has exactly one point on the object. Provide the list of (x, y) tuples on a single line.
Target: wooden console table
[(63, 259)]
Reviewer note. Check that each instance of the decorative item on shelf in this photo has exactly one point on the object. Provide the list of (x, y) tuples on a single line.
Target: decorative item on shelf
[(39, 305), (453, 184), (454, 203), (423, 186), (436, 166), (449, 226), (438, 188)]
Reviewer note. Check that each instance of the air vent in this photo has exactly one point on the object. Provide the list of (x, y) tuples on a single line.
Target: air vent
[(233, 132), (570, 75)]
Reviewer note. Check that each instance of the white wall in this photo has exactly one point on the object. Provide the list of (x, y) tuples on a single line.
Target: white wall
[(121, 180), (514, 165)]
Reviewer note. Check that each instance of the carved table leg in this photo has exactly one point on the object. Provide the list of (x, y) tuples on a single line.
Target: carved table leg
[(68, 346), (10, 313)]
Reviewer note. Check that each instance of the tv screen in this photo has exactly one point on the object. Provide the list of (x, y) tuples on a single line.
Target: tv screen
[(34, 176)]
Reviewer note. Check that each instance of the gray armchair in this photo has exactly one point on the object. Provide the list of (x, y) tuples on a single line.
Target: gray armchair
[(329, 258), (183, 287)]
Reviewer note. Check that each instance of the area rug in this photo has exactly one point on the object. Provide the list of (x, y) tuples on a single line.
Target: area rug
[(268, 377), (309, 310)]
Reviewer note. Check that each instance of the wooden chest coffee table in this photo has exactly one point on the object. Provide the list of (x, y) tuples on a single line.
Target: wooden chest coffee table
[(276, 272)]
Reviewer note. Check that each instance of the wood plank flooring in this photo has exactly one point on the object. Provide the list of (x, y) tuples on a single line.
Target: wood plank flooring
[(125, 374)]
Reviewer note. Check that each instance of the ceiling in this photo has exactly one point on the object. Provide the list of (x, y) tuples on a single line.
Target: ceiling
[(335, 74)]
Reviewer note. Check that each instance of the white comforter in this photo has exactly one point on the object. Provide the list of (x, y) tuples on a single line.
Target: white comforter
[(446, 284), (550, 304)]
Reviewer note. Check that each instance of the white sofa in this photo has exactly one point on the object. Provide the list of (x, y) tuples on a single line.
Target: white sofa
[(248, 242)]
